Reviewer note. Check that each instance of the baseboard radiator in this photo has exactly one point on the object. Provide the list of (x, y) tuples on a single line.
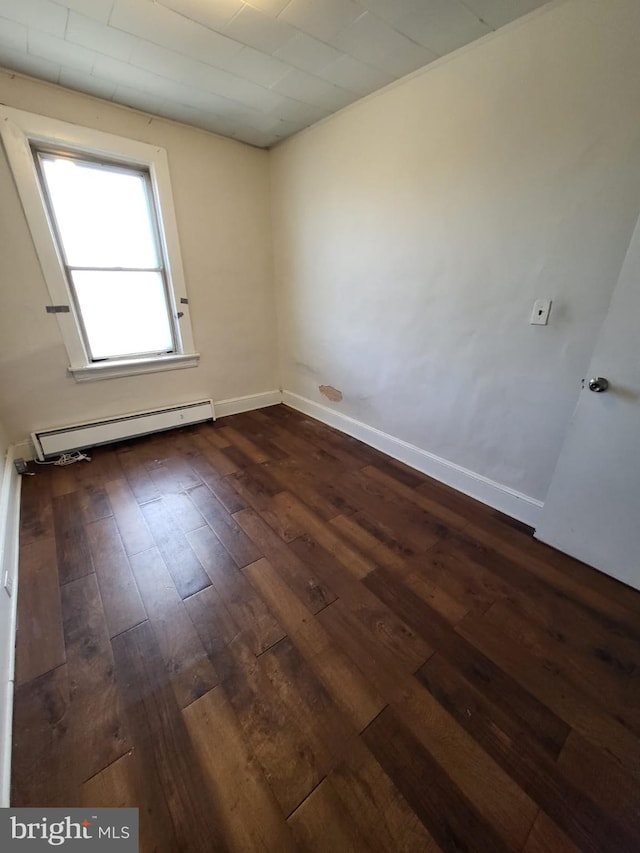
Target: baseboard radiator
[(53, 442)]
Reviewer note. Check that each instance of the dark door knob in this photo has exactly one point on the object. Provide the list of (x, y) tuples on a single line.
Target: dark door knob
[(598, 384)]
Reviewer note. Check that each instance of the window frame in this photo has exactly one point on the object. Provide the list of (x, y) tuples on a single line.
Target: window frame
[(41, 153), (24, 133)]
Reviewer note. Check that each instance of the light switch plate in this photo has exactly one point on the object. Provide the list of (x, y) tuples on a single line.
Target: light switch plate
[(540, 312)]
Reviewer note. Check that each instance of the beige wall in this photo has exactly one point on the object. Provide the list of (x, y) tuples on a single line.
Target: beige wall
[(221, 193), (4, 444), (414, 231)]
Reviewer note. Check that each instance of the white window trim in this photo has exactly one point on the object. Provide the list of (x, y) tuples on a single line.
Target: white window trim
[(19, 130)]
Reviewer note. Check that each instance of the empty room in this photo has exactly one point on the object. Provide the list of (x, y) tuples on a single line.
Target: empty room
[(319, 418)]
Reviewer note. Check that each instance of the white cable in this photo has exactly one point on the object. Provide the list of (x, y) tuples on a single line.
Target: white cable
[(67, 459)]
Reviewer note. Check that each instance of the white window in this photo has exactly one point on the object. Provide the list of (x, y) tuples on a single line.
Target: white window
[(100, 212)]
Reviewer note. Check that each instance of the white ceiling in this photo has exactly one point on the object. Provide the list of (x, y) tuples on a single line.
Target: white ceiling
[(257, 71)]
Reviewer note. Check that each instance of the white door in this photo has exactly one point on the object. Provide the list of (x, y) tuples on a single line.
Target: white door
[(592, 510)]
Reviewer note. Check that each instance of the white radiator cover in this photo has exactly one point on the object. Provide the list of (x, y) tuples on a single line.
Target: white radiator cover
[(53, 442)]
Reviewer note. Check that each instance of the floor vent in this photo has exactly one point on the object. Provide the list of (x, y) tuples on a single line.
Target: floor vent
[(53, 442)]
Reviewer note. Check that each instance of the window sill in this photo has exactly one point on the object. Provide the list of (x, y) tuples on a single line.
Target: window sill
[(133, 367)]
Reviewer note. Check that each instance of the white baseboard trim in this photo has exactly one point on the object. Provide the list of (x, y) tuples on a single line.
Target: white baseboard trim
[(222, 408), (9, 534), (237, 405), (500, 497)]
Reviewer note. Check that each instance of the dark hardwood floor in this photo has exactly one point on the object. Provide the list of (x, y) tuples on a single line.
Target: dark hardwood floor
[(270, 637)]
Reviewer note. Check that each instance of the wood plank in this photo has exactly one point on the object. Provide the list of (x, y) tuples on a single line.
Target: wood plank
[(237, 457), (104, 467), (247, 609), (376, 806), (393, 539), (128, 784), (518, 550), (225, 527), (132, 463), (288, 720), (595, 669), (303, 694), (246, 445), (63, 481), (219, 485), (170, 473), (344, 680), (215, 456), (94, 503), (601, 779), (214, 624), (309, 588), (454, 520), (184, 512), (99, 736), (351, 529), (121, 600), (597, 583), (90, 490), (510, 669), (187, 666), (267, 501), (249, 816), (305, 454), (385, 629), (444, 497), (347, 684), (403, 520), (495, 795), (211, 434), (403, 473), (323, 823), (348, 450), (592, 633), (321, 497), (472, 582), (163, 743), (40, 642), (444, 604), (131, 524), (294, 615), (540, 722), (185, 568), (291, 443), (321, 476), (259, 431), (256, 482), (545, 837), (326, 566), (565, 701), (73, 556), (355, 562), (36, 508), (588, 825), (381, 666), (449, 816), (42, 772)]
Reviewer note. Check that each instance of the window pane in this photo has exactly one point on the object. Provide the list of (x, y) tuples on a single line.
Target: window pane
[(124, 313), (102, 214)]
